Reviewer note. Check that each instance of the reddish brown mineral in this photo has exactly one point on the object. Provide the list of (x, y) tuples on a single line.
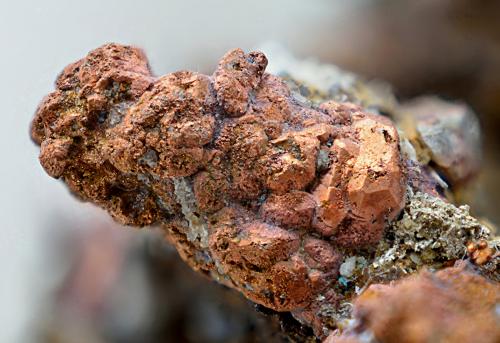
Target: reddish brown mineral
[(362, 188), (254, 187), (452, 305), (480, 252)]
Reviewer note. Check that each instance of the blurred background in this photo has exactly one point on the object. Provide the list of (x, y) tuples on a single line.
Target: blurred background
[(67, 274)]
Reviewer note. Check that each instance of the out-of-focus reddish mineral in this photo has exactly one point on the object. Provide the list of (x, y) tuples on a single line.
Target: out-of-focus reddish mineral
[(255, 188), (452, 305)]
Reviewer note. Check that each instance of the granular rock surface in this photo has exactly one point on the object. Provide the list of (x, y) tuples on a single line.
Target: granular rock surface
[(257, 189)]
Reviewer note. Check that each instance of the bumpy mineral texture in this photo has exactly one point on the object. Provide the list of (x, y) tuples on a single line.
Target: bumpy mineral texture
[(255, 188), (453, 305)]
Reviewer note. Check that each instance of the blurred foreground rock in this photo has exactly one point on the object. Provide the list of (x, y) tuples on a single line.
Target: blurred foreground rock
[(452, 305)]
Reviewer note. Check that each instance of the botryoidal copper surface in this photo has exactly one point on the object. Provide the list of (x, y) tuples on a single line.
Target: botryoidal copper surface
[(256, 188)]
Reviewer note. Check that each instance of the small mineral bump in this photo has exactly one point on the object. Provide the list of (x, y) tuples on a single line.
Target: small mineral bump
[(347, 268), (480, 253)]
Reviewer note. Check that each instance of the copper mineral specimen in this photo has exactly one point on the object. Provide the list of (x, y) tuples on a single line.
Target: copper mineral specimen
[(254, 187), (452, 305)]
